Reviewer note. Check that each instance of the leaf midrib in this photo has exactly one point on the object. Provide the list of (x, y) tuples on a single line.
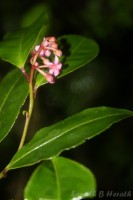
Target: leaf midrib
[(57, 180), (78, 46), (63, 134)]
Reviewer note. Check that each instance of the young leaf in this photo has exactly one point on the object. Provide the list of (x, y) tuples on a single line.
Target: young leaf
[(77, 52), (16, 46), (61, 178), (69, 133), (13, 92)]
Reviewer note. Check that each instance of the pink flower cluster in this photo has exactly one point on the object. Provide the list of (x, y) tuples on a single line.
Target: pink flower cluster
[(45, 59)]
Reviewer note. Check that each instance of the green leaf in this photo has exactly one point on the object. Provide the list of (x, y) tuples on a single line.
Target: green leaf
[(16, 46), (13, 92), (32, 14), (69, 133), (59, 179), (77, 52)]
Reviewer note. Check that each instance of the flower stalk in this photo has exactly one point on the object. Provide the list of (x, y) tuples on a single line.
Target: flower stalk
[(45, 60), (31, 105)]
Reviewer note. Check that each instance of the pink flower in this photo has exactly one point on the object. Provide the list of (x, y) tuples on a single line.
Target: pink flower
[(48, 77), (42, 51), (42, 59), (54, 68)]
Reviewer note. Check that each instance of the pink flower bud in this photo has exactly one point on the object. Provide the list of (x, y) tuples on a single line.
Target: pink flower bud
[(58, 53), (52, 39), (36, 64), (54, 45), (47, 53), (50, 78), (45, 42), (37, 47), (45, 61), (42, 53)]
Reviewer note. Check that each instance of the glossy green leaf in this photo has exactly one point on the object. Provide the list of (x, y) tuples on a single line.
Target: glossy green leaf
[(73, 131), (77, 52), (16, 46), (13, 92), (61, 178)]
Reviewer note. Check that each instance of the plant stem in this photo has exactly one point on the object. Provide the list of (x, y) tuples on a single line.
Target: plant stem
[(29, 113), (3, 174), (28, 116)]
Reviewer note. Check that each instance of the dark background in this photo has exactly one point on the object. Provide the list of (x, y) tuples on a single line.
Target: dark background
[(105, 81)]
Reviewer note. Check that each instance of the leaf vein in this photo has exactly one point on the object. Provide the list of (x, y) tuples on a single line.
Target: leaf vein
[(62, 134)]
